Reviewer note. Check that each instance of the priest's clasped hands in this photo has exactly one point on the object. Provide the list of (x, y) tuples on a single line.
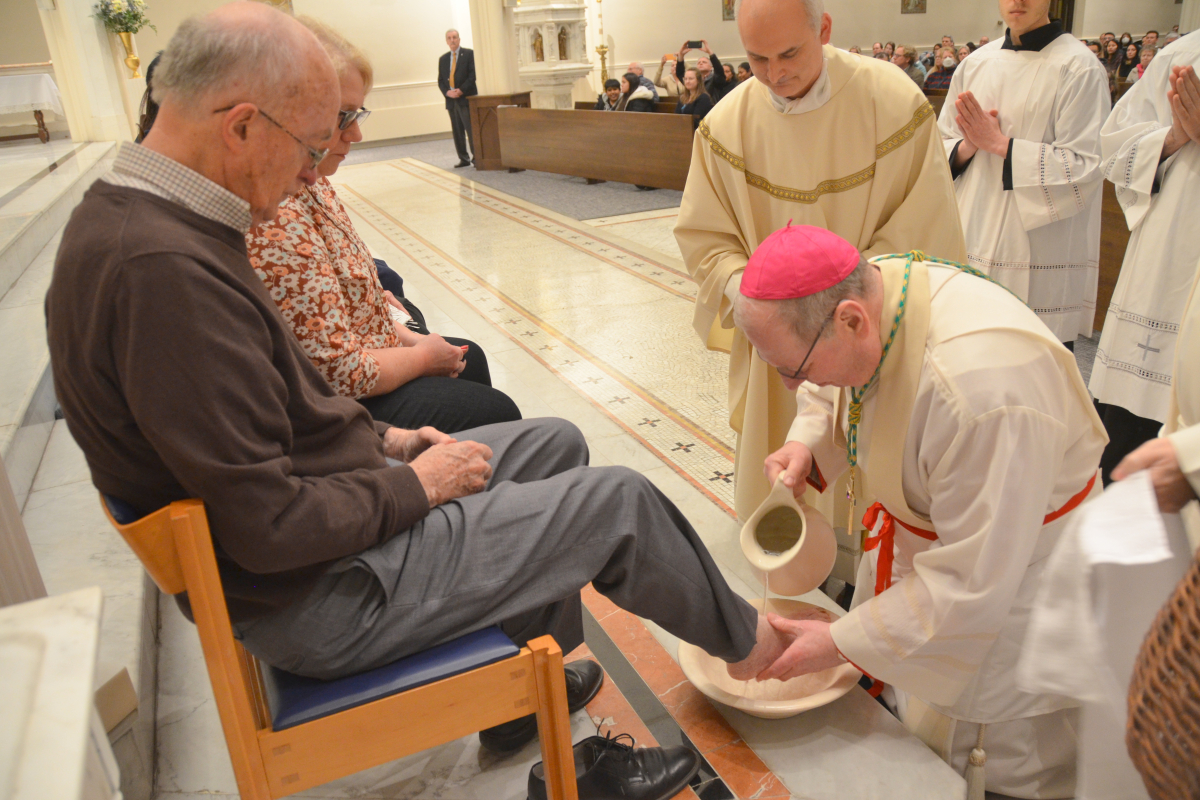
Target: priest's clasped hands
[(981, 129)]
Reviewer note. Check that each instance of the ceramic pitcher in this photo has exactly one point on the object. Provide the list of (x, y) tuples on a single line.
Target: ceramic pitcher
[(789, 543)]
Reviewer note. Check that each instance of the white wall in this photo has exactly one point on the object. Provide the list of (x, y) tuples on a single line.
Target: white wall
[(21, 38), (403, 39), (1094, 17)]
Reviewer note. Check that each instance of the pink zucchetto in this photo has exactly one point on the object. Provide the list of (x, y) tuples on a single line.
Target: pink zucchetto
[(798, 261)]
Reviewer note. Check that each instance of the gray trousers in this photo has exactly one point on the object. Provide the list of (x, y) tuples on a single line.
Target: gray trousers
[(460, 128), (515, 555)]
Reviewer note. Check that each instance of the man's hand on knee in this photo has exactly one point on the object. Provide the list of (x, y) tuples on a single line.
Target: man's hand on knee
[(405, 445), (450, 471)]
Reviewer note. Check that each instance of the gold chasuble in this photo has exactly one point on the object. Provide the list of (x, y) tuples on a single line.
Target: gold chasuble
[(861, 156)]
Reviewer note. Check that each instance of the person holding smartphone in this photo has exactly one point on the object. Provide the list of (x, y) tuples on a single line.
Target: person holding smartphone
[(715, 83)]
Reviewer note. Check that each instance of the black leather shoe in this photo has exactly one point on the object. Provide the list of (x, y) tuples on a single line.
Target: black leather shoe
[(584, 679), (609, 768), (462, 164)]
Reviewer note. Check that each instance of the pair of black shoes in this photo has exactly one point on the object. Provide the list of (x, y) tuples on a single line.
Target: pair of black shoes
[(604, 767), (462, 164)]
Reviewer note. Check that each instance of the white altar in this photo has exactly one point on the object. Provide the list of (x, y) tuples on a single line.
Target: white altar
[(36, 92)]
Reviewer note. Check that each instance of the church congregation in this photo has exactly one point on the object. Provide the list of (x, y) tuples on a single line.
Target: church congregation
[(896, 262)]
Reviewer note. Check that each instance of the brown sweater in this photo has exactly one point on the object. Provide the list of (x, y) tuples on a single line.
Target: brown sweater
[(179, 378)]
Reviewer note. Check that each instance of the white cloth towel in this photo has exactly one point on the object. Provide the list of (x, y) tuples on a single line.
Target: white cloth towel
[(1114, 567)]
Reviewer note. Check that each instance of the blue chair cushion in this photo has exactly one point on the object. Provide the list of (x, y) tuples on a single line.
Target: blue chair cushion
[(294, 700), (121, 511)]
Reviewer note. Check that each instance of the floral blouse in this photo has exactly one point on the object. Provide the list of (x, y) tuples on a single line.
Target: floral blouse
[(322, 277)]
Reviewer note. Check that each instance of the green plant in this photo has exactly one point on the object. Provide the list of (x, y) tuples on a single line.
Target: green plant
[(123, 16)]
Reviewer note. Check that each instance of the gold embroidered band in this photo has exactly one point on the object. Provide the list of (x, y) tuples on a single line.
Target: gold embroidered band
[(810, 196)]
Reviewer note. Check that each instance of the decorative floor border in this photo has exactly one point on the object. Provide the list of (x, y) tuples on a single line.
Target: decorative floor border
[(691, 452)]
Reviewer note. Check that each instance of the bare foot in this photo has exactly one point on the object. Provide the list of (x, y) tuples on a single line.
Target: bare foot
[(768, 648)]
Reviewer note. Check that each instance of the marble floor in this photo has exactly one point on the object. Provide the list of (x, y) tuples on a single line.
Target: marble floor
[(590, 321)]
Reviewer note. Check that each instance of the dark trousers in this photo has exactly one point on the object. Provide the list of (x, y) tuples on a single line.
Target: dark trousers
[(1126, 433), (448, 404), (460, 126)]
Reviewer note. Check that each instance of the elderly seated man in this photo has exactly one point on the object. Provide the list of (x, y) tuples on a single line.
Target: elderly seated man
[(342, 543)]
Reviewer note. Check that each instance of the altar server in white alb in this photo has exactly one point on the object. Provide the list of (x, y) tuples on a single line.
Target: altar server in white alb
[(1152, 154), (970, 424), (1021, 127)]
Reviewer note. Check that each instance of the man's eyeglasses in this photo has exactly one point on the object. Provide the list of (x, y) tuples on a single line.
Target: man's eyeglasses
[(348, 118), (316, 156), (800, 370)]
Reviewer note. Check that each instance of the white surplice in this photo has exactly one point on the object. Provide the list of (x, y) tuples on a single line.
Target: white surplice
[(1041, 238), (1002, 433), (1161, 200)]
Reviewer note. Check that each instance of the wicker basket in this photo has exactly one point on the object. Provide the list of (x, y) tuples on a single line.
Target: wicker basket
[(1163, 734)]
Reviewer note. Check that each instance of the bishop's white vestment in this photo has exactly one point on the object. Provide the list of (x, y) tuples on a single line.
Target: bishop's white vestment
[(859, 155), (1032, 220), (1161, 200), (978, 439)]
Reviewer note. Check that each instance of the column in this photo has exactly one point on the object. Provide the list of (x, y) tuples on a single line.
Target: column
[(1189, 18), (86, 71), (493, 35)]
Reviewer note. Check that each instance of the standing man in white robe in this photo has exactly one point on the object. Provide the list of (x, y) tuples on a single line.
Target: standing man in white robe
[(820, 136), (1023, 138), (971, 425), (1152, 155)]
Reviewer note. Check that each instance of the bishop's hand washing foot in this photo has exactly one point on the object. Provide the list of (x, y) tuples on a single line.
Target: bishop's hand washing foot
[(771, 643), (788, 648)]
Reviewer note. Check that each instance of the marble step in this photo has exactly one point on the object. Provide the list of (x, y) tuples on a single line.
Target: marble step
[(38, 191), (26, 389), (75, 547)]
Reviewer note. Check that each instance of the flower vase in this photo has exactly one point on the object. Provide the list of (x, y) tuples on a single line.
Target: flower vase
[(131, 60)]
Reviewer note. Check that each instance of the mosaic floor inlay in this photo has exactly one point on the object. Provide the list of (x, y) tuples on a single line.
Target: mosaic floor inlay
[(637, 359)]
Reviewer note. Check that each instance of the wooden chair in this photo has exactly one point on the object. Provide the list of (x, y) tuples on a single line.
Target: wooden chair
[(287, 733)]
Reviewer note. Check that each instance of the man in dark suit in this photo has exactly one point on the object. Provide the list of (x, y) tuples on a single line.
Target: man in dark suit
[(456, 79)]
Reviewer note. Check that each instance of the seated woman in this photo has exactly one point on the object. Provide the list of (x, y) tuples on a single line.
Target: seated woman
[(694, 100), (322, 276), (634, 96), (1129, 63), (944, 64)]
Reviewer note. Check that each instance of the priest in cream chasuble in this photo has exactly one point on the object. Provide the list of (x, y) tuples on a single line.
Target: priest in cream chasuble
[(973, 428), (1155, 167), (1021, 126), (821, 137)]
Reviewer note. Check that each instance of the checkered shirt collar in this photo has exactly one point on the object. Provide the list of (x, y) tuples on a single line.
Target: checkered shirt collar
[(137, 167)]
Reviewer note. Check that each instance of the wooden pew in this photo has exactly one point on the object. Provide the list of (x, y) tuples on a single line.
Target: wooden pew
[(936, 98), (662, 106), (1114, 238), (595, 145)]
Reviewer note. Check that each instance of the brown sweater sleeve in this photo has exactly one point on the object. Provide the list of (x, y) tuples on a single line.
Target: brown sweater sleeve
[(220, 390)]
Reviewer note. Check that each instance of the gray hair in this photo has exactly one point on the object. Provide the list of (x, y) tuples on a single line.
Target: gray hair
[(452, 30), (209, 56), (815, 9), (806, 315)]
